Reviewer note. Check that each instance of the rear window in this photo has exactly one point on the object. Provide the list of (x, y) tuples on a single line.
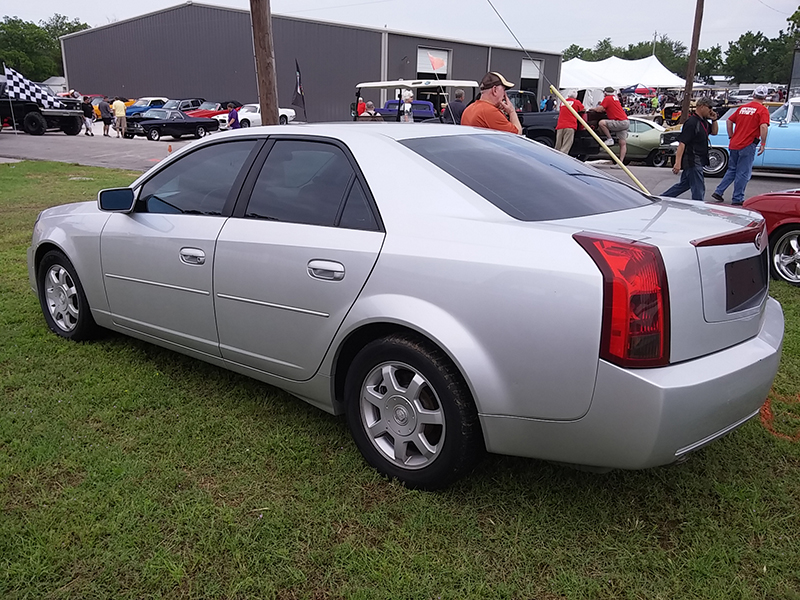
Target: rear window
[(526, 180)]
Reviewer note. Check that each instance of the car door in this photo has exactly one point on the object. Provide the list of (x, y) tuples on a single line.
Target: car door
[(783, 142), (176, 125), (157, 261), (292, 261)]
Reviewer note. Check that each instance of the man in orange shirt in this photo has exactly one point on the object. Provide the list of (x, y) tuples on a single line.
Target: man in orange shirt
[(493, 110)]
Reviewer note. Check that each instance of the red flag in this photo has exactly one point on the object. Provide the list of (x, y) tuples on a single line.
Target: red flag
[(436, 63)]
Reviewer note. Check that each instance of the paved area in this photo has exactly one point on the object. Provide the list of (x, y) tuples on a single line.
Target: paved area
[(139, 154)]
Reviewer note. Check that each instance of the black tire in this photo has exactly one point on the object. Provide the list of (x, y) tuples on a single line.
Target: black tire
[(283, 120), (659, 120), (543, 139), (154, 134), (62, 299), (200, 131), (436, 453), (176, 137), (72, 126), (718, 162), (34, 123), (657, 158), (244, 123), (783, 263)]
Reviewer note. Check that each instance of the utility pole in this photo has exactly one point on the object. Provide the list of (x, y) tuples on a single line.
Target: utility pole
[(692, 66), (655, 35), (261, 17)]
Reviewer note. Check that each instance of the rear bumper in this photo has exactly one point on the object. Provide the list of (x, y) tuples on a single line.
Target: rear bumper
[(649, 417)]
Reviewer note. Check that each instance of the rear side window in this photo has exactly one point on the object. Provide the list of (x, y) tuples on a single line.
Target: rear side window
[(525, 180)]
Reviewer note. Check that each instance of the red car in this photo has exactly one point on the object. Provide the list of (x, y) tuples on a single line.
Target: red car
[(211, 109), (781, 210)]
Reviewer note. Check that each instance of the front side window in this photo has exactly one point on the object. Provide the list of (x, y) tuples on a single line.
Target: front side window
[(526, 180), (198, 183), (301, 182)]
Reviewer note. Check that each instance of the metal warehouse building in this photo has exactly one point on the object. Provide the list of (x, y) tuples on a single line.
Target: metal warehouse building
[(198, 50)]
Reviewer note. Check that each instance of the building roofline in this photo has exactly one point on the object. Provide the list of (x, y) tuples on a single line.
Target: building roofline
[(307, 20)]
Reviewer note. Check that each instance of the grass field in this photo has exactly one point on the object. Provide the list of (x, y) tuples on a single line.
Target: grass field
[(127, 471)]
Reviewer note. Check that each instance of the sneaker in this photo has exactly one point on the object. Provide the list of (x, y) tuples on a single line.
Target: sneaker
[(717, 197), (609, 142)]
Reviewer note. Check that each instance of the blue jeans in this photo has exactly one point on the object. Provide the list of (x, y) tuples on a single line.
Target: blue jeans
[(740, 168), (691, 179)]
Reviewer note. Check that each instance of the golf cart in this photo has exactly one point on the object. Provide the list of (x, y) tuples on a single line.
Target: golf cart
[(434, 90)]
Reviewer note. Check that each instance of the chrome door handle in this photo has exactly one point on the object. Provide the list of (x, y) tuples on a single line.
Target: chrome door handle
[(193, 256), (328, 270)]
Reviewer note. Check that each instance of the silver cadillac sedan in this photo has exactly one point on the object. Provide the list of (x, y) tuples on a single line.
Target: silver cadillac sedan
[(450, 290)]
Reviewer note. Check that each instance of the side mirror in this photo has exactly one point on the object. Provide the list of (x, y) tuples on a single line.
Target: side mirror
[(116, 200)]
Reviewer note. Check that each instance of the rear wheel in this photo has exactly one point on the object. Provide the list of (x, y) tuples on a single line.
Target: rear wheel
[(717, 162), (785, 254), (34, 123), (200, 131), (62, 298), (154, 134), (411, 414)]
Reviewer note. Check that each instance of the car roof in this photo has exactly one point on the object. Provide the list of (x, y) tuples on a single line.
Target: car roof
[(417, 83)]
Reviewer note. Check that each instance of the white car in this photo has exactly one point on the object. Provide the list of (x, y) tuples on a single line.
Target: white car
[(250, 116)]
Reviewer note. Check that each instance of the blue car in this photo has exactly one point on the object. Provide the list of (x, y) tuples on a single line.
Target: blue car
[(145, 104), (782, 152)]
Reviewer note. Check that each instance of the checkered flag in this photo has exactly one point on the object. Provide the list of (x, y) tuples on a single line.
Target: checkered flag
[(17, 87)]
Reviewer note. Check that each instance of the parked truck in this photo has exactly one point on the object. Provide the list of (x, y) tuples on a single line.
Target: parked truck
[(34, 119)]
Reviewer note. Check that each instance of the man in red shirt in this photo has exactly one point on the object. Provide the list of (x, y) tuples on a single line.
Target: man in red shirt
[(567, 124), (617, 121), (746, 128), (493, 110)]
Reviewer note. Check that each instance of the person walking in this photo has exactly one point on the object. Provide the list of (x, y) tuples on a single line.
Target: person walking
[(617, 121), (119, 113), (88, 114), (746, 128), (692, 154), (493, 110), (454, 109), (233, 117), (106, 115), (567, 123)]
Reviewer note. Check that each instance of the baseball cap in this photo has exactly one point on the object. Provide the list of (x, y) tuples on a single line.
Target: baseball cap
[(494, 78), (761, 91), (609, 90)]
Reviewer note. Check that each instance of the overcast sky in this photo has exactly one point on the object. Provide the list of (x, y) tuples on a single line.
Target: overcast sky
[(541, 25)]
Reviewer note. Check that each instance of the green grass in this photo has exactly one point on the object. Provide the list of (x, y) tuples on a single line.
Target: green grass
[(127, 471)]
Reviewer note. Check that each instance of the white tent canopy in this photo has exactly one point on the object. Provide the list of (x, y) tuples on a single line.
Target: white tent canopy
[(618, 73)]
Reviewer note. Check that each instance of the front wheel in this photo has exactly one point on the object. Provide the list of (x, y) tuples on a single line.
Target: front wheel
[(34, 123), (62, 298), (785, 255), (283, 120), (154, 134), (659, 120), (244, 123), (411, 414), (657, 158), (717, 162), (200, 131)]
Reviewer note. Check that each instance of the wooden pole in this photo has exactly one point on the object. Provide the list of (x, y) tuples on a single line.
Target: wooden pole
[(265, 61), (691, 67)]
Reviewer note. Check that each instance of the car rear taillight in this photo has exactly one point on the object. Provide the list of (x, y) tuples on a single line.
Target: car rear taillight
[(635, 331)]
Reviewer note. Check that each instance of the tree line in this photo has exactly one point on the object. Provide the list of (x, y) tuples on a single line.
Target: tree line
[(754, 57), (34, 50)]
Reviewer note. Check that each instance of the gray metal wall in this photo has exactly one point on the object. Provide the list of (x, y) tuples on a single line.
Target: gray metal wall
[(199, 50), (182, 52), (509, 63)]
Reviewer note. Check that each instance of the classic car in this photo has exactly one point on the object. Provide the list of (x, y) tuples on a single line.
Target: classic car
[(781, 211), (144, 104), (250, 116), (555, 312), (184, 104), (212, 109), (644, 140), (158, 122)]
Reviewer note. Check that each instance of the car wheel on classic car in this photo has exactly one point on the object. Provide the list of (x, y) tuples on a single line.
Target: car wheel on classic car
[(717, 162), (154, 134), (200, 131), (63, 300), (411, 414), (785, 254), (244, 123)]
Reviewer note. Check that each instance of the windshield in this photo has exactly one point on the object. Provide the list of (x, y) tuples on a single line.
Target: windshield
[(142, 102), (155, 113), (780, 114), (172, 104), (96, 101), (537, 183), (208, 106)]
